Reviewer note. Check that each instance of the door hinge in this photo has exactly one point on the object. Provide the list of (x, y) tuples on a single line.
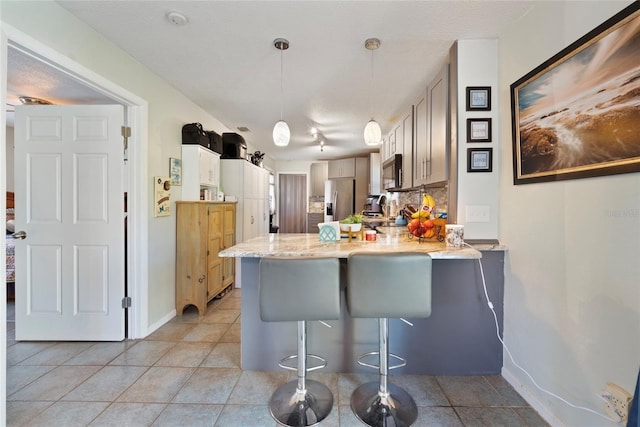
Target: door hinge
[(126, 134), (126, 302)]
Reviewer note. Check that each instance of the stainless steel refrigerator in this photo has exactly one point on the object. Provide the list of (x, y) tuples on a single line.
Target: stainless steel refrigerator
[(339, 198)]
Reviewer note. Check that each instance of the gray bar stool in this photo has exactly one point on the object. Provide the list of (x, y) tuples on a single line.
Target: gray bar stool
[(383, 286), (300, 289)]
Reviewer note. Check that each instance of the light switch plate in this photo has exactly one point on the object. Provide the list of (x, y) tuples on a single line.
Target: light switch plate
[(477, 213)]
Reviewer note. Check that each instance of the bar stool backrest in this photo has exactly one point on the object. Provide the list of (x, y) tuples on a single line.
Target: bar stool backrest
[(299, 288), (390, 285)]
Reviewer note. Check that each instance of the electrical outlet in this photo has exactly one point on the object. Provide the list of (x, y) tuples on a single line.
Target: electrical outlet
[(617, 401)]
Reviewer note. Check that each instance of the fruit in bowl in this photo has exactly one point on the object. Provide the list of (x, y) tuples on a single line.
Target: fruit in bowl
[(422, 228), (416, 227)]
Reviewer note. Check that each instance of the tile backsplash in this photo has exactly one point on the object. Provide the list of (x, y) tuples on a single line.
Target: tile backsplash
[(440, 194), (316, 204)]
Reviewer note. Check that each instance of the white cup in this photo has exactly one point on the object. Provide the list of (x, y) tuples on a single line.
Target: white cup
[(454, 236)]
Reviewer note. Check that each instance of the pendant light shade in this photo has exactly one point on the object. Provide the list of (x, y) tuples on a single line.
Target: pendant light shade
[(372, 133), (281, 134)]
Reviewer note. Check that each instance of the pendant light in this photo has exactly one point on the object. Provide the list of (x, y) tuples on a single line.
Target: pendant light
[(281, 133), (372, 131)]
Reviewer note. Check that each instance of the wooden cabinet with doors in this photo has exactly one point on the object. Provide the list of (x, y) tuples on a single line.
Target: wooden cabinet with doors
[(203, 229)]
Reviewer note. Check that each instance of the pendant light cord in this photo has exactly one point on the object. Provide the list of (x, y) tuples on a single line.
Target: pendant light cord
[(371, 87), (281, 85)]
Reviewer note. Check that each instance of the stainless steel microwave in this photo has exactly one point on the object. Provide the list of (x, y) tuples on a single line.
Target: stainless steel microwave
[(392, 172)]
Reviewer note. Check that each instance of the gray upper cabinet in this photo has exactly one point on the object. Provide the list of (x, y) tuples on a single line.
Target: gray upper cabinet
[(362, 182), (319, 174), (400, 141), (407, 148), (343, 168), (431, 132), (420, 140)]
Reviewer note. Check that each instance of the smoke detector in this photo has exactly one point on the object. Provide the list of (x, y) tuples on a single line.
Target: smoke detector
[(176, 18)]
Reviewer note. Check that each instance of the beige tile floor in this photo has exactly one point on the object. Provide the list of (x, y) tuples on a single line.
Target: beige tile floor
[(188, 374)]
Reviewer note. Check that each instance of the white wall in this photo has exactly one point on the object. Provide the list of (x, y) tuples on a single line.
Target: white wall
[(53, 26), (478, 66), (572, 291)]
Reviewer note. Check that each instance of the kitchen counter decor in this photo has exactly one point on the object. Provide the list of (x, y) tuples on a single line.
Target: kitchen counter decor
[(298, 244)]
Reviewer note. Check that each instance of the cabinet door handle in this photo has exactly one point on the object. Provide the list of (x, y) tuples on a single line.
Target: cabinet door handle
[(251, 219), (201, 279)]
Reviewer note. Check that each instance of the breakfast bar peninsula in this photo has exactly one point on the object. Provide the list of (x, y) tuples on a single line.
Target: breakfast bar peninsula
[(459, 338)]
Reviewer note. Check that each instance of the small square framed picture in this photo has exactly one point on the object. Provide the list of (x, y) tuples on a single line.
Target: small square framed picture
[(479, 159), (479, 130), (478, 98)]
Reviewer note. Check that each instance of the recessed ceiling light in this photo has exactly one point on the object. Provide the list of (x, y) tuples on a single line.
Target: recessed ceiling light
[(176, 18), (30, 100)]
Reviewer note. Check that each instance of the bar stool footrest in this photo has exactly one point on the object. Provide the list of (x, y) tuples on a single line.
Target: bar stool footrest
[(295, 356), (403, 361)]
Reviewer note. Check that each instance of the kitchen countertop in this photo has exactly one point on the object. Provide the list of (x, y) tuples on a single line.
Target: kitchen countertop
[(299, 244)]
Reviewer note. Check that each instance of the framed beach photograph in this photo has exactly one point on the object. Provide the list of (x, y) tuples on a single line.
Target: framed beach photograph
[(577, 114), (478, 98), (175, 171), (479, 159), (479, 130)]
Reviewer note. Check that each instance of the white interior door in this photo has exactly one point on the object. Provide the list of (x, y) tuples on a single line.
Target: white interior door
[(69, 202)]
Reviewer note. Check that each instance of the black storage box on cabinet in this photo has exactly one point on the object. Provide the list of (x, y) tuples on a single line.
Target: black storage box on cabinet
[(234, 146), (192, 133), (215, 141)]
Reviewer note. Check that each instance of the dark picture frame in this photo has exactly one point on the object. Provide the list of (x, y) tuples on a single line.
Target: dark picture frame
[(478, 98), (479, 159), (479, 130), (587, 125)]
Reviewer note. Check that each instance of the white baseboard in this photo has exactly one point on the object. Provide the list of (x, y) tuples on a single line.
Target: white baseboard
[(531, 399), (152, 328)]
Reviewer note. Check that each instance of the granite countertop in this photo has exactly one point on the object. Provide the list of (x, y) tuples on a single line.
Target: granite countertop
[(310, 245)]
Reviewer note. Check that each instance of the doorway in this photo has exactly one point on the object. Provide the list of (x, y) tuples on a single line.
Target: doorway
[(292, 203), (137, 119)]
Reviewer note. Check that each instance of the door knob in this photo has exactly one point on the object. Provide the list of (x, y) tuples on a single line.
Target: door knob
[(21, 235)]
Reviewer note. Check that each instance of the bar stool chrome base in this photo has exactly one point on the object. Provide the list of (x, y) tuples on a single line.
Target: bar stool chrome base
[(292, 407), (396, 408)]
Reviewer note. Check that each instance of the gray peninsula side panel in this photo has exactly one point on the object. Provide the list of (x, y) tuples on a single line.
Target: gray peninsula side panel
[(459, 338)]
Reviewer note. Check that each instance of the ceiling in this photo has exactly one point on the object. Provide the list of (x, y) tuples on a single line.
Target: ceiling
[(224, 60)]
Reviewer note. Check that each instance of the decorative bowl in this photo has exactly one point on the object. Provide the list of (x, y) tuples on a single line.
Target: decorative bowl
[(350, 227)]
